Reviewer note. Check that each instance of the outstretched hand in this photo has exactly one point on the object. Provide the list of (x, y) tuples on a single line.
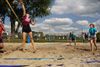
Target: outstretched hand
[(33, 22)]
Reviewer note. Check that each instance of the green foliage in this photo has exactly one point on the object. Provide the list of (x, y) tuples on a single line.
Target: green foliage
[(98, 37), (36, 8)]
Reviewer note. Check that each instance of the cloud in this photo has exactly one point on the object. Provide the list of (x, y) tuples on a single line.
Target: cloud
[(41, 27), (7, 26), (83, 22), (64, 29), (55, 25), (81, 7), (70, 29), (98, 25), (58, 21)]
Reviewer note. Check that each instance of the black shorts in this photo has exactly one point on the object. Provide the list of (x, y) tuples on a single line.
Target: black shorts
[(26, 28), (72, 39)]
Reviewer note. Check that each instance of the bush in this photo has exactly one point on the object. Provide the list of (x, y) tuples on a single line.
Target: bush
[(98, 37)]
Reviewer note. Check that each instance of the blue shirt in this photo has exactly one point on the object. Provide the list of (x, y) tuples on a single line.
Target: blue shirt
[(92, 31), (72, 36)]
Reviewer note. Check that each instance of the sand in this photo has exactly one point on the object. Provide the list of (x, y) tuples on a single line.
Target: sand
[(52, 55)]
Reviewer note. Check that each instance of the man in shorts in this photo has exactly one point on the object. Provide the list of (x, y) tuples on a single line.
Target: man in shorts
[(72, 38)]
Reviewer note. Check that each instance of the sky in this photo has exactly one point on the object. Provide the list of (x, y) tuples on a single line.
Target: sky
[(68, 16)]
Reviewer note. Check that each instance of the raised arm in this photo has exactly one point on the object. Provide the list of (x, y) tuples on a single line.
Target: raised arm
[(24, 10), (23, 7)]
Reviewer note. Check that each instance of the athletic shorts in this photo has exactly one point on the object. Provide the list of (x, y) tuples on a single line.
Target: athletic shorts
[(92, 36), (72, 39), (26, 28)]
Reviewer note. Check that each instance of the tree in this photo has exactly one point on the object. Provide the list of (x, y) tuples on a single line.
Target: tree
[(98, 37), (36, 8)]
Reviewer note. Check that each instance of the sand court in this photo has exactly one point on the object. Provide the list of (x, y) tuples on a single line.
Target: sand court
[(51, 55)]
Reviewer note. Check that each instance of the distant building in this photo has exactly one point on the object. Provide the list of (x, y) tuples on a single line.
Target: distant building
[(37, 35), (55, 37)]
